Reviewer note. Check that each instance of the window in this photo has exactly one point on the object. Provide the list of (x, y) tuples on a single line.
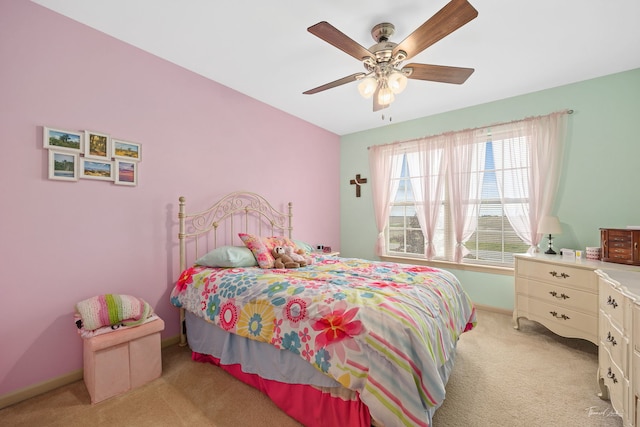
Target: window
[(473, 196), (493, 240)]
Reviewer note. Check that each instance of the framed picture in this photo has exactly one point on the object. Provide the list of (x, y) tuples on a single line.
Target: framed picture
[(62, 140), (97, 145), (126, 172), (63, 165), (126, 150), (96, 169)]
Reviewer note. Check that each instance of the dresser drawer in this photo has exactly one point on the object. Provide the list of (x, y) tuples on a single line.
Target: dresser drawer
[(614, 342), (636, 372), (558, 274), (561, 320), (614, 380), (620, 254), (636, 329), (620, 238), (611, 301), (559, 295)]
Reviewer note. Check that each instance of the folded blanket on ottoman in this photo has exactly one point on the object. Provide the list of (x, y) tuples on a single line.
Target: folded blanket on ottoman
[(112, 309)]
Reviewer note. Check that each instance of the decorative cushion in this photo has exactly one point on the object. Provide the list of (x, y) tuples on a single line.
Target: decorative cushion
[(228, 256), (262, 246)]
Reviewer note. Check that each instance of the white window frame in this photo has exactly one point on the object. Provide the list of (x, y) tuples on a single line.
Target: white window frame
[(446, 251)]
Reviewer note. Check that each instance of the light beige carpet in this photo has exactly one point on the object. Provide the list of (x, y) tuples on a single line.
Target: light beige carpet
[(502, 377)]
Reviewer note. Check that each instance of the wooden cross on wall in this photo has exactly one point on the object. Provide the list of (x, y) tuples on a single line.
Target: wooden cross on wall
[(357, 182)]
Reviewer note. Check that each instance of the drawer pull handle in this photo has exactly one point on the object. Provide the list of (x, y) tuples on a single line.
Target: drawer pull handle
[(561, 316), (612, 302), (611, 339), (555, 294), (612, 376), (556, 274)]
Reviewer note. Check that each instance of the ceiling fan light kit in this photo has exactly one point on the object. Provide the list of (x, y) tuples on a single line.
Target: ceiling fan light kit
[(367, 86), (385, 76)]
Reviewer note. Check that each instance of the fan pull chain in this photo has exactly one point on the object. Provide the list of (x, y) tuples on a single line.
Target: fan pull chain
[(390, 118)]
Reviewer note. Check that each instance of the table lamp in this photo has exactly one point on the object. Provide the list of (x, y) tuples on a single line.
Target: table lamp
[(550, 225)]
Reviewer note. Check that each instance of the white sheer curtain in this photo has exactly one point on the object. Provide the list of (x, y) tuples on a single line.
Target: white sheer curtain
[(530, 153), (465, 177), (385, 163), (427, 170), (527, 155)]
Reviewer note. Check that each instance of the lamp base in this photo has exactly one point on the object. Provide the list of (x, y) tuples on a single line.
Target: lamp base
[(550, 251)]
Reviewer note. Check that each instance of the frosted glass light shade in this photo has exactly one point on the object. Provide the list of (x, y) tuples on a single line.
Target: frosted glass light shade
[(550, 225), (385, 96), (397, 82), (367, 87)]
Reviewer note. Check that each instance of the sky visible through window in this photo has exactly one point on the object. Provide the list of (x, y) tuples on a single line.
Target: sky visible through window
[(489, 183)]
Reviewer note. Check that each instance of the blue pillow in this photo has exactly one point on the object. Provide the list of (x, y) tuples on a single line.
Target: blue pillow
[(304, 246), (228, 256)]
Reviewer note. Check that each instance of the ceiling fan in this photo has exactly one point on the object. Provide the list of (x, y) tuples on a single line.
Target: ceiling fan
[(385, 74)]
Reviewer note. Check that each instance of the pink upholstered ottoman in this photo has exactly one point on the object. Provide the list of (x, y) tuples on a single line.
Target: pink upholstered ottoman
[(119, 361)]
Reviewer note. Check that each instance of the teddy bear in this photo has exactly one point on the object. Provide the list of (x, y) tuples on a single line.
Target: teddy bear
[(282, 259), (298, 255)]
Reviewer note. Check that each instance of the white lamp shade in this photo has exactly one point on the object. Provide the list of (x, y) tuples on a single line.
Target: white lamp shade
[(397, 82), (550, 225), (367, 87)]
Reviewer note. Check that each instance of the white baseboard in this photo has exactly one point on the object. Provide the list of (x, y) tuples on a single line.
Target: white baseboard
[(51, 384)]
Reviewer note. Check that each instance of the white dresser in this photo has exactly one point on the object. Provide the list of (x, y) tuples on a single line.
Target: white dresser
[(593, 300), (619, 346), (561, 295)]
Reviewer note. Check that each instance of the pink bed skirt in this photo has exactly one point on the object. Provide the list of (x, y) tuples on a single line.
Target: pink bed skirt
[(311, 406)]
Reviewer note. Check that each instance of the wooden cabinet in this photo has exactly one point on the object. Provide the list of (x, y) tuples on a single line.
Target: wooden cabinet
[(620, 245), (561, 295)]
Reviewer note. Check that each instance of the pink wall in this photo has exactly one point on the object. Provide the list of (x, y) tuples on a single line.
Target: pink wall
[(61, 242)]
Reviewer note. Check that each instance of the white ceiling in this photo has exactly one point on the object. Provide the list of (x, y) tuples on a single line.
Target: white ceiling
[(262, 48)]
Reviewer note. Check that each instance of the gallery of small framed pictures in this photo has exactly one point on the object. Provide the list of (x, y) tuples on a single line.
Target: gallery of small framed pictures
[(91, 155)]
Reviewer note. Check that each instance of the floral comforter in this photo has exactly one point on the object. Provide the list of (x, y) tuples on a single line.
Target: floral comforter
[(385, 330)]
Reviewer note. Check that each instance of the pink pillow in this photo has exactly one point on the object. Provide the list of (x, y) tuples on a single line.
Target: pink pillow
[(262, 247)]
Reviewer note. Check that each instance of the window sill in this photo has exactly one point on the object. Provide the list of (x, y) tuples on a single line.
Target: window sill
[(507, 271)]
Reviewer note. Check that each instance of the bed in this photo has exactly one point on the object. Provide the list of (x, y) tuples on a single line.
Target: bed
[(338, 342)]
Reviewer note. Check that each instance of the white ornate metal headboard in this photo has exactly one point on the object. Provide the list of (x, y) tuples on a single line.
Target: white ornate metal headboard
[(238, 212)]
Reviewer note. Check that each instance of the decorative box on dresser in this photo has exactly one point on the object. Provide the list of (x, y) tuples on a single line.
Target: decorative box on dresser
[(619, 347), (620, 245), (560, 294)]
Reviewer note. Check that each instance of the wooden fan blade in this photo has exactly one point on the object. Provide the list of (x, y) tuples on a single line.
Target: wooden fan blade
[(439, 73), (337, 38), (334, 83), (448, 19)]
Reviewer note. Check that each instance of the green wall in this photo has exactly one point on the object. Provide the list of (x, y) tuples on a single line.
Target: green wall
[(598, 182)]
